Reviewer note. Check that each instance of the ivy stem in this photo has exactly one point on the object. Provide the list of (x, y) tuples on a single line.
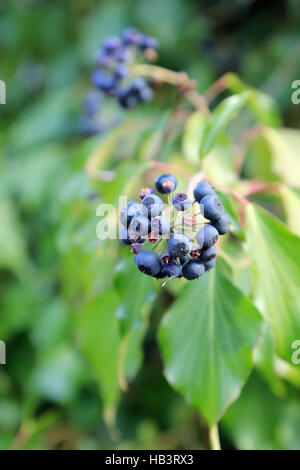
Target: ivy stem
[(187, 87), (214, 440)]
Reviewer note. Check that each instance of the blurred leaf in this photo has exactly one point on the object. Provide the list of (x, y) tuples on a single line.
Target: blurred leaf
[(57, 374), (285, 145), (192, 137), (260, 421), (265, 362), (136, 293), (12, 247), (225, 112), (275, 255), (206, 338), (220, 163), (262, 105), (100, 343), (49, 118), (257, 428), (291, 202)]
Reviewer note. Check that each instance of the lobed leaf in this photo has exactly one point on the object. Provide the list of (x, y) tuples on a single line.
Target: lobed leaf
[(206, 339)]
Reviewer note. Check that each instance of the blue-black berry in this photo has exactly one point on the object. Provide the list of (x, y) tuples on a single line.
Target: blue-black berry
[(131, 209), (145, 221), (202, 189), (124, 236), (148, 262), (211, 206), (192, 269), (145, 191), (166, 183), (181, 202), (139, 226), (207, 236), (170, 270), (221, 224), (210, 264), (209, 254), (104, 82), (179, 245), (152, 205), (160, 225)]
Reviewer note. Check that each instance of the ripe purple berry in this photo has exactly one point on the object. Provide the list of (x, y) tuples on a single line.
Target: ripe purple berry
[(166, 183), (102, 81), (207, 236), (202, 189), (221, 224), (139, 226), (181, 202), (179, 245), (160, 225), (145, 191), (149, 42), (209, 254), (111, 43), (148, 262), (152, 205), (211, 207), (192, 269), (170, 270), (131, 209), (210, 264)]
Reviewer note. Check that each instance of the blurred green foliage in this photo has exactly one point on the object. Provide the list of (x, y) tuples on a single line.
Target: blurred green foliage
[(83, 368)]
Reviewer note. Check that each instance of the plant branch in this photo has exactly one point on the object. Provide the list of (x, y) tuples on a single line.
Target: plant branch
[(214, 440), (180, 79)]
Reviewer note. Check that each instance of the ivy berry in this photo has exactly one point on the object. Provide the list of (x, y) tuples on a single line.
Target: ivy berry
[(166, 183), (148, 262)]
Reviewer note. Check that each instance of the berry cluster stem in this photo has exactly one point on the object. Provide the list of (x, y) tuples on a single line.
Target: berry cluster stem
[(180, 79), (160, 74)]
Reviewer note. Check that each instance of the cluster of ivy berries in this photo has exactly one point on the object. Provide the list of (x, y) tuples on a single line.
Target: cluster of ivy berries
[(114, 60), (190, 245), (112, 77)]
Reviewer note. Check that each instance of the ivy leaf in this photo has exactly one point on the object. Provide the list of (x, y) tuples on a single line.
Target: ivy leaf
[(275, 255), (291, 201), (192, 137), (137, 293), (206, 339), (225, 112), (284, 144), (100, 344), (263, 106)]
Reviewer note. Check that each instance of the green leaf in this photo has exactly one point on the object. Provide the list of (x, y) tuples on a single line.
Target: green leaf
[(100, 343), (291, 202), (263, 106), (12, 247), (206, 339), (259, 420), (192, 137), (285, 144), (275, 255), (136, 292), (225, 112)]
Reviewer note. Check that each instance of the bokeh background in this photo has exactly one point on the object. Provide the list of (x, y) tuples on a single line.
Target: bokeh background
[(55, 276)]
